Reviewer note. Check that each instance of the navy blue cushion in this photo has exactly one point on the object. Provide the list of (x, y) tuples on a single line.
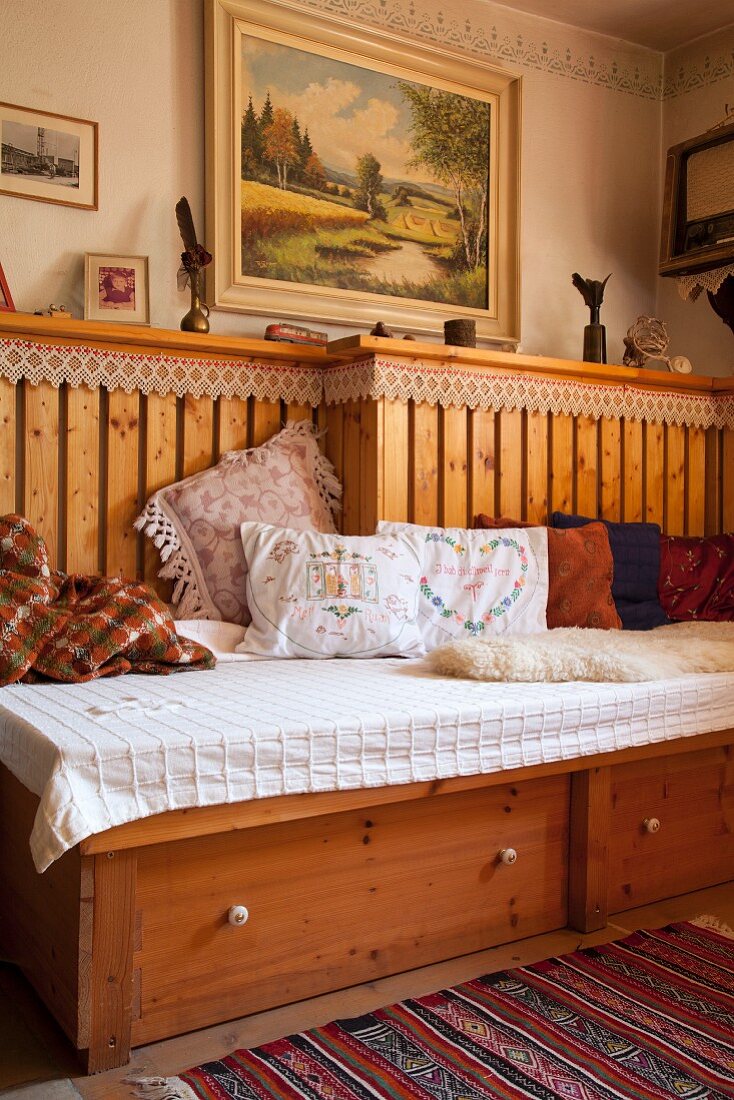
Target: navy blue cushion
[(636, 553)]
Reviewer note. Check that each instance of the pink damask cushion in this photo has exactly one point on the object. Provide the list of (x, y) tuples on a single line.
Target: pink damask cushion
[(196, 522)]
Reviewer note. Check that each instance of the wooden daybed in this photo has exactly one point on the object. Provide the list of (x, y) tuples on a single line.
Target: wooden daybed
[(126, 937)]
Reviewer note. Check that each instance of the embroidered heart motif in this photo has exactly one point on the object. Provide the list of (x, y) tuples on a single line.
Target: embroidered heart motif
[(471, 584)]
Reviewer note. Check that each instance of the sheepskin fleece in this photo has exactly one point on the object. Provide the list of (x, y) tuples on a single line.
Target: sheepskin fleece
[(571, 653)]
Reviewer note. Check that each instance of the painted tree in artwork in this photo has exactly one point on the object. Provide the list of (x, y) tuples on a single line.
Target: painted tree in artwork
[(314, 175), (369, 180), (252, 144), (280, 146), (450, 137)]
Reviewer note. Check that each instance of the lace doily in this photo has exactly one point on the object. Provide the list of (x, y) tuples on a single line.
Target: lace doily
[(690, 286), (448, 385), (79, 365)]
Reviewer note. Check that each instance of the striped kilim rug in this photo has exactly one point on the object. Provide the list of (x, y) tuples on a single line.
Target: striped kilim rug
[(646, 1017)]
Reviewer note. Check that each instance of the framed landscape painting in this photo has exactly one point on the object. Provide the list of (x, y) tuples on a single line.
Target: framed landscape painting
[(354, 176)]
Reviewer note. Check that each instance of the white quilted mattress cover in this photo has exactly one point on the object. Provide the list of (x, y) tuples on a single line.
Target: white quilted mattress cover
[(112, 751)]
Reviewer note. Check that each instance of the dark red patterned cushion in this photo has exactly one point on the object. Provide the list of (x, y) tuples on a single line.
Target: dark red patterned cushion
[(697, 577)]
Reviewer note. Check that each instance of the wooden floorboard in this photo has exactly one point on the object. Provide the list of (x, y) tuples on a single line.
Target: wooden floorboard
[(33, 1057)]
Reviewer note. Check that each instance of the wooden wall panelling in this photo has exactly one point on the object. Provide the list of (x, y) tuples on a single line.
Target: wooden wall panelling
[(198, 434), (7, 446), (41, 504), (536, 466), (562, 464), (481, 463), (160, 470), (510, 497), (453, 468), (234, 424), (296, 412), (266, 420), (350, 468), (632, 471), (82, 480), (587, 472), (423, 474), (395, 462), (610, 479), (675, 480), (123, 431), (371, 465), (713, 481), (654, 446), (727, 479), (695, 476)]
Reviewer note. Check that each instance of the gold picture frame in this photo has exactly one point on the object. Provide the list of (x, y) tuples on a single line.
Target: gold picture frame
[(48, 157), (330, 278), (116, 289)]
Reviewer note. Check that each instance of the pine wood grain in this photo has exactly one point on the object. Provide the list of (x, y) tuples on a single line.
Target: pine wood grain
[(123, 430), (41, 504), (234, 424), (589, 848), (692, 796), (510, 501), (395, 466), (266, 421), (536, 510), (160, 470), (632, 474), (372, 909), (198, 419), (424, 464), (610, 480), (727, 479), (351, 468), (7, 446), (695, 474), (562, 464), (82, 480), (654, 473), (481, 463), (587, 472), (675, 480), (111, 975), (453, 466)]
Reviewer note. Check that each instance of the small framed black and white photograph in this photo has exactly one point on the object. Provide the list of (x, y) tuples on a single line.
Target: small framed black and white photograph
[(48, 157)]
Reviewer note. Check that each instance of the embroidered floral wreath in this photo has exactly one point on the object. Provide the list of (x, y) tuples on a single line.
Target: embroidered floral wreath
[(476, 626)]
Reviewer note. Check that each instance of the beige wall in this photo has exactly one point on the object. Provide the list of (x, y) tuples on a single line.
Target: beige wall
[(591, 150), (691, 106)]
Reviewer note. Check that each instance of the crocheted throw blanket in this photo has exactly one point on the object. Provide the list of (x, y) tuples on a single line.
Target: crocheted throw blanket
[(73, 627)]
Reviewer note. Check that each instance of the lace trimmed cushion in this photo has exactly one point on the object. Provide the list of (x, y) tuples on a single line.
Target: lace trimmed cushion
[(195, 523), (316, 595)]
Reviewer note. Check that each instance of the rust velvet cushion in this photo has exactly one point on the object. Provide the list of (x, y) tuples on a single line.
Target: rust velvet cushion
[(580, 573), (697, 577)]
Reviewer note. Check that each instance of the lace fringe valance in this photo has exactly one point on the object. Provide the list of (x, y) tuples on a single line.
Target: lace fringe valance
[(154, 372), (396, 379), (449, 385)]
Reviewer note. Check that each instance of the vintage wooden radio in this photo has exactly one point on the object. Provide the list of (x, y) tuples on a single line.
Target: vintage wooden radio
[(698, 205)]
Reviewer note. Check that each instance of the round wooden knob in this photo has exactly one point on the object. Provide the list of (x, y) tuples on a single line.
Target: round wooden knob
[(508, 856), (238, 915), (651, 825)]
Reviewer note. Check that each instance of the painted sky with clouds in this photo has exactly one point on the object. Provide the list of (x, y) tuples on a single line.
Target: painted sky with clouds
[(348, 110)]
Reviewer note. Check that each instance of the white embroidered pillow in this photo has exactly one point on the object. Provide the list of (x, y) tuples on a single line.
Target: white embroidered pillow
[(196, 523), (480, 582), (316, 595)]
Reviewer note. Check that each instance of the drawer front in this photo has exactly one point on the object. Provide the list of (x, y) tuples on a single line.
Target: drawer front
[(672, 827), (342, 899)]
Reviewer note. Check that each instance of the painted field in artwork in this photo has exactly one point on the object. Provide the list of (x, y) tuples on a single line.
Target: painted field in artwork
[(357, 180)]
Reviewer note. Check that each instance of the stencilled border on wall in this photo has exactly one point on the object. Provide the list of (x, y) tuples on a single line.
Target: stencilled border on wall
[(512, 38)]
